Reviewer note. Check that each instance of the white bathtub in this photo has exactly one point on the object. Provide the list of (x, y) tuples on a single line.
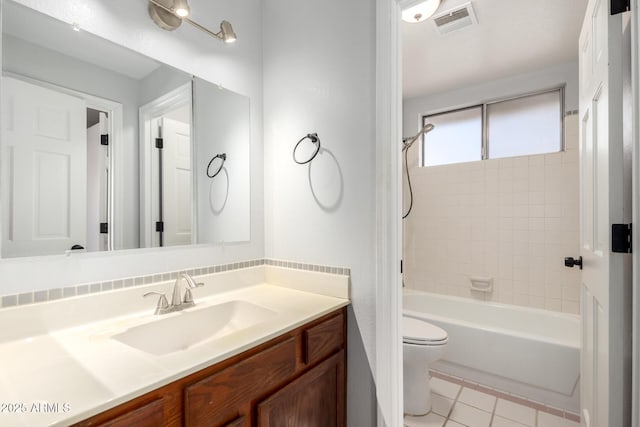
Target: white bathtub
[(530, 352)]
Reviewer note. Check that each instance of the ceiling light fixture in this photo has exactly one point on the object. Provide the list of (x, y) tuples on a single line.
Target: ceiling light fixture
[(421, 11), (169, 15)]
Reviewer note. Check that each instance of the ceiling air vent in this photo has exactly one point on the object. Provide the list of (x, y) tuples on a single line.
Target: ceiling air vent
[(455, 19)]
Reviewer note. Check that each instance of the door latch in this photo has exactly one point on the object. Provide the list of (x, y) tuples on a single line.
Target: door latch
[(571, 262)]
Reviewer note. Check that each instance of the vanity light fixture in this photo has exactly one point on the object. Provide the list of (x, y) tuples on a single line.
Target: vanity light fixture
[(169, 15), (181, 8), (421, 11)]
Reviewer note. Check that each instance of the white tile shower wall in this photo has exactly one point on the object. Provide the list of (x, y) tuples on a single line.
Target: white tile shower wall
[(512, 219)]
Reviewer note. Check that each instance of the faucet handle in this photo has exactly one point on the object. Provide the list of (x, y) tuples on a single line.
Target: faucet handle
[(163, 304), (188, 297)]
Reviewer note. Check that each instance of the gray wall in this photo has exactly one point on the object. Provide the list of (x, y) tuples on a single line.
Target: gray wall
[(319, 76)]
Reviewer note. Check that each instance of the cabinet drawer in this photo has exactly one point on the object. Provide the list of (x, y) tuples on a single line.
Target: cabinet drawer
[(149, 415), (216, 399), (321, 340)]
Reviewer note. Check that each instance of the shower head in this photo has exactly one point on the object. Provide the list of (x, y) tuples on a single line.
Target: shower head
[(408, 142)]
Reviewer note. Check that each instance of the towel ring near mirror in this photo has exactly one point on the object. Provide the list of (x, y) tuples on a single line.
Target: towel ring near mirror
[(313, 137), (222, 157)]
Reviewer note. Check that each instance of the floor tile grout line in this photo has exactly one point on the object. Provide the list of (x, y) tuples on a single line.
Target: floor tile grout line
[(453, 405), (493, 413)]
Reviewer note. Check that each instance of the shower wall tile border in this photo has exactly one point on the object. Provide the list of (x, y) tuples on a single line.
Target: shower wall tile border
[(15, 300)]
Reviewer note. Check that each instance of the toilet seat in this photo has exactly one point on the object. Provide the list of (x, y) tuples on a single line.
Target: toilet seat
[(419, 332)]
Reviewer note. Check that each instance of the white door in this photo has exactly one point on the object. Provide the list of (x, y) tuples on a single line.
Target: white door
[(97, 185), (604, 383), (43, 170), (176, 182)]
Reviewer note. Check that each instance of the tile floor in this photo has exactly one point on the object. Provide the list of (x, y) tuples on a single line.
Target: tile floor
[(456, 406)]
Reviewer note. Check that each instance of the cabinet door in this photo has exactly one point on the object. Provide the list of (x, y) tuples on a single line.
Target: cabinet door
[(316, 399), (227, 395), (149, 415)]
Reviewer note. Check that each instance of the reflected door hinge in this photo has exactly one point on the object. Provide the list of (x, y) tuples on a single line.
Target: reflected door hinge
[(620, 6), (104, 139), (159, 143), (160, 226), (104, 227), (621, 238)]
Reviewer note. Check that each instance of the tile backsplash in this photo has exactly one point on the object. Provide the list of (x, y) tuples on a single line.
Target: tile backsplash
[(512, 219), (86, 288)]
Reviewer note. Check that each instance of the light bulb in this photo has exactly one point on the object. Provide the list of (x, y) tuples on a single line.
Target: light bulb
[(182, 13), (181, 8)]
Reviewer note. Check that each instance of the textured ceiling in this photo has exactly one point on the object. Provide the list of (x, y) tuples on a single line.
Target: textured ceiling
[(511, 37)]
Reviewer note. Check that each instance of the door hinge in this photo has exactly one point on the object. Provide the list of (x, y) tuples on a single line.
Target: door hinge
[(160, 226), (620, 6), (159, 143), (400, 266), (104, 227), (104, 139), (621, 238)]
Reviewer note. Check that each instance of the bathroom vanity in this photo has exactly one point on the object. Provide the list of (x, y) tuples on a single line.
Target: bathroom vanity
[(298, 377), (261, 345)]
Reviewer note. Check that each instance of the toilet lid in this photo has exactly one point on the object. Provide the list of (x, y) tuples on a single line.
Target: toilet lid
[(415, 331)]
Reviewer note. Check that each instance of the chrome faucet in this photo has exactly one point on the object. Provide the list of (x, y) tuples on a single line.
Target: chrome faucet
[(177, 302)]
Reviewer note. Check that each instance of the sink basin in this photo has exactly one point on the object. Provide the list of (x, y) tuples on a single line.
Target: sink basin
[(185, 329)]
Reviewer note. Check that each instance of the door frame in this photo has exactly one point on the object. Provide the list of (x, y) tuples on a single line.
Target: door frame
[(388, 222), (115, 212), (178, 97), (388, 365), (635, 83)]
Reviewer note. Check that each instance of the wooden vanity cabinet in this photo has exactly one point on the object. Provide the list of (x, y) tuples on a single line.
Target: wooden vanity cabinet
[(296, 379), (309, 400)]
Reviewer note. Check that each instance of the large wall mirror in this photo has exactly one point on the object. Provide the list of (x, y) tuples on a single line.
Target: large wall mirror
[(103, 148)]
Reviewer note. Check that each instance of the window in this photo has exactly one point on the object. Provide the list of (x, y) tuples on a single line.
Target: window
[(456, 137), (526, 125)]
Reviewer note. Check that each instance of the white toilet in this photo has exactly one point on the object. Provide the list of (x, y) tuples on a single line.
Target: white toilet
[(422, 344)]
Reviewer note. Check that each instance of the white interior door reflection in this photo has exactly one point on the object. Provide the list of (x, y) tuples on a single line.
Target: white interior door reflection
[(173, 192), (176, 181), (44, 181), (97, 180)]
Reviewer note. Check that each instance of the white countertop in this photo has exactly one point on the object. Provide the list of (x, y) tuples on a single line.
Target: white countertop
[(79, 371)]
